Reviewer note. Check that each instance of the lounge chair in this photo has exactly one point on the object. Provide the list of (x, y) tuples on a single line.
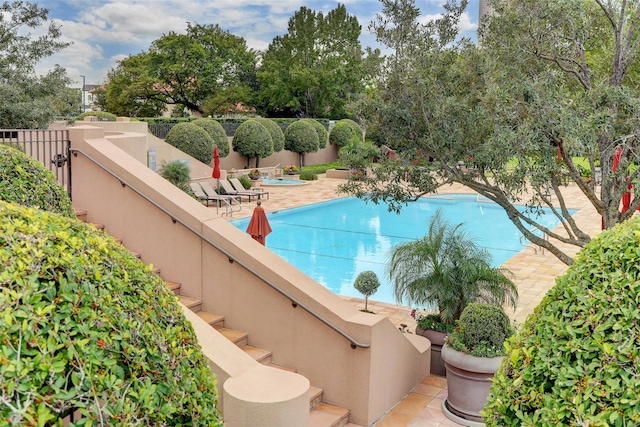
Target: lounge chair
[(203, 194), (257, 191), (229, 189), (211, 192)]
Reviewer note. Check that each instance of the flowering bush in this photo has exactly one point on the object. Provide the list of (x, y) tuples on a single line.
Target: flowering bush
[(254, 174), (291, 168), (431, 321)]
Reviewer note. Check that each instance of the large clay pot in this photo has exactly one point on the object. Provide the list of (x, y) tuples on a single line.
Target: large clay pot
[(437, 341), (468, 384)]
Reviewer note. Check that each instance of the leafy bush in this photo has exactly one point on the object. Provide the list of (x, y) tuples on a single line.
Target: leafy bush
[(192, 140), (345, 132), (575, 359), (301, 137), (245, 181), (308, 175), (251, 139), (367, 284), (323, 135), (177, 173), (217, 134), (26, 181), (277, 136), (482, 331), (87, 327)]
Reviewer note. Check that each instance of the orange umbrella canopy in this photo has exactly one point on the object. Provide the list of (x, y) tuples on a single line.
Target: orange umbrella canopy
[(216, 163), (259, 226)]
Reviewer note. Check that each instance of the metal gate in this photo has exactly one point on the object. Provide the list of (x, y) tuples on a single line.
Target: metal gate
[(49, 147)]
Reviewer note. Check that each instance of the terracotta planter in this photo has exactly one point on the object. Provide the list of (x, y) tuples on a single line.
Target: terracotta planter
[(468, 384), (437, 341)]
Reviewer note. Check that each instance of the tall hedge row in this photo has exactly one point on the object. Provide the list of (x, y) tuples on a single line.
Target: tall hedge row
[(576, 359)]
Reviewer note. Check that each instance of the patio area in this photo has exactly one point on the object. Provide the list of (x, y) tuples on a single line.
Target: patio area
[(535, 273)]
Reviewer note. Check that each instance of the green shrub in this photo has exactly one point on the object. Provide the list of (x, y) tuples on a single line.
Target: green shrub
[(192, 140), (245, 181), (217, 134), (482, 330), (277, 136), (367, 284), (301, 137), (252, 140), (100, 115), (575, 359), (323, 135), (345, 132), (307, 175), (26, 181), (177, 173), (87, 327)]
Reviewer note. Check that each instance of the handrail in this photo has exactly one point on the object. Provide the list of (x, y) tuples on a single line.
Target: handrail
[(294, 301)]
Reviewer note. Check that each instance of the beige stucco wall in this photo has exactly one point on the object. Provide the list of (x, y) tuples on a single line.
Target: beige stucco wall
[(231, 273)]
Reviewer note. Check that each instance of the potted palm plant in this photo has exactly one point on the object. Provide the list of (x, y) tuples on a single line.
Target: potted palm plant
[(442, 273), (472, 355)]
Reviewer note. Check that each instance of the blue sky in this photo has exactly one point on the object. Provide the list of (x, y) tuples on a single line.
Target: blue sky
[(105, 31)]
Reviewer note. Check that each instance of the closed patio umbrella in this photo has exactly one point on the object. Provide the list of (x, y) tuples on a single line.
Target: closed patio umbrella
[(259, 226), (216, 163)]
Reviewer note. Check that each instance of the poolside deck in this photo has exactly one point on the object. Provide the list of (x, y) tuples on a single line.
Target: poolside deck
[(535, 273)]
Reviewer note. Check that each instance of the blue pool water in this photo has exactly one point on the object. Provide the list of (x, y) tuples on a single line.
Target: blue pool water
[(332, 242), (278, 181)]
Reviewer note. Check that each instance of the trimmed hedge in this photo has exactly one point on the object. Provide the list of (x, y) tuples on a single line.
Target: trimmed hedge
[(344, 132), (575, 360), (192, 140), (301, 137), (277, 135), (217, 134), (100, 115), (26, 181), (87, 328), (323, 135)]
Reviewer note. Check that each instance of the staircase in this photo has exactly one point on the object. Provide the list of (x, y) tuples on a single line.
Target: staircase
[(321, 414)]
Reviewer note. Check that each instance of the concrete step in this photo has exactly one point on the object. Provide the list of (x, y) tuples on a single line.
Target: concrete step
[(315, 397), (258, 354), (193, 304), (81, 214), (239, 338), (325, 415), (174, 286), (214, 320)]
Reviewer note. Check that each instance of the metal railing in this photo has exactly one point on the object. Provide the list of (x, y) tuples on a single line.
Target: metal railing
[(294, 301)]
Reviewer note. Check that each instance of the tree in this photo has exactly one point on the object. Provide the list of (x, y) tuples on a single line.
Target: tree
[(28, 101), (301, 137), (323, 135), (277, 136), (207, 66), (192, 140), (518, 110), (313, 69), (251, 139), (217, 134), (446, 270), (367, 284)]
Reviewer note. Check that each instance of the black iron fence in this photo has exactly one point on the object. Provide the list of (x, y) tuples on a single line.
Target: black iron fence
[(50, 147)]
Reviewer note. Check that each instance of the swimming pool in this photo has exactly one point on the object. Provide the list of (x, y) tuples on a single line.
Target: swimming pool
[(281, 181), (332, 242)]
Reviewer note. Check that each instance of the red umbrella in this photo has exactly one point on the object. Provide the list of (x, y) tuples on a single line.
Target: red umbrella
[(259, 225), (216, 163), (617, 155)]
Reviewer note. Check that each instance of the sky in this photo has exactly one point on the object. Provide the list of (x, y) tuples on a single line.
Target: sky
[(106, 31)]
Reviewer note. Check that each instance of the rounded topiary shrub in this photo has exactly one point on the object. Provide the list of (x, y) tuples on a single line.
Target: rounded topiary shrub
[(192, 140), (575, 360), (251, 139), (345, 132), (482, 330), (301, 137), (26, 181), (217, 134), (88, 329), (323, 135), (277, 136), (367, 284)]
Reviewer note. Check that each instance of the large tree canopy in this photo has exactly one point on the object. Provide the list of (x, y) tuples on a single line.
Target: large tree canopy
[(313, 69), (206, 66), (27, 100), (549, 83)]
